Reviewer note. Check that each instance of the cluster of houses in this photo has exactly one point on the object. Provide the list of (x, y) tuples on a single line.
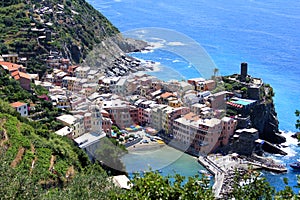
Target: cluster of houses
[(18, 72), (185, 111)]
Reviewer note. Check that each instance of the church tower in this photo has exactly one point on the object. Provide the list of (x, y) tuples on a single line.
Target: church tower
[(96, 120)]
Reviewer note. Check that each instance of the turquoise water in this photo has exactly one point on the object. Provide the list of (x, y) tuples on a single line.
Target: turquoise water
[(263, 33), (166, 159)]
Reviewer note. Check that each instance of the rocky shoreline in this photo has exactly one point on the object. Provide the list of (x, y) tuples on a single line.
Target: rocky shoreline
[(110, 56)]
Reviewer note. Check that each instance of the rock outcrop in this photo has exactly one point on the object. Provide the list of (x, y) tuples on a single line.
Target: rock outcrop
[(264, 118), (110, 56)]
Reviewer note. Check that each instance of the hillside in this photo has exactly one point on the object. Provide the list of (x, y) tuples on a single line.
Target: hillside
[(37, 164), (37, 30)]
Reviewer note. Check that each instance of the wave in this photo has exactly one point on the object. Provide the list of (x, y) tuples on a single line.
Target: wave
[(176, 61), (289, 139), (290, 145)]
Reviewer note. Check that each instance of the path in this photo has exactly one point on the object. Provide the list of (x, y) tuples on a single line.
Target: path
[(52, 160), (216, 171), (3, 133), (18, 157), (35, 158), (70, 172)]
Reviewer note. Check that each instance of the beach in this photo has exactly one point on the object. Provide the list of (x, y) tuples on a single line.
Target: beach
[(141, 147)]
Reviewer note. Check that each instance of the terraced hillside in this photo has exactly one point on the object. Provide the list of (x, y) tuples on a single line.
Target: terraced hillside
[(36, 29)]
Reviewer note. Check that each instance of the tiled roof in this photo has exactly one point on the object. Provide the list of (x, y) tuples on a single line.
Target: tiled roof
[(17, 77), (191, 116), (17, 104), (10, 66), (24, 75), (15, 73), (166, 95)]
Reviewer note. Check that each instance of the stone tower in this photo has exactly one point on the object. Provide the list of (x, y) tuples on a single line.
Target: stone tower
[(244, 69)]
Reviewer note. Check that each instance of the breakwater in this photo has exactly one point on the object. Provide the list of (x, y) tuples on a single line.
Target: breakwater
[(224, 168)]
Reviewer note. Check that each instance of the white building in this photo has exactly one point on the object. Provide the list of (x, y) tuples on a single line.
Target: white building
[(76, 122), (20, 108)]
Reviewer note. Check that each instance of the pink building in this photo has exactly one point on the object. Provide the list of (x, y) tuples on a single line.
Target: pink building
[(87, 121), (106, 125), (218, 100), (201, 135), (228, 128)]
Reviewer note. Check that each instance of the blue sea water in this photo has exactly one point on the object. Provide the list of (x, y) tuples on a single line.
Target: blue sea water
[(263, 33)]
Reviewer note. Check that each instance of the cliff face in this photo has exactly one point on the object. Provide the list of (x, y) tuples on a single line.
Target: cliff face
[(264, 118)]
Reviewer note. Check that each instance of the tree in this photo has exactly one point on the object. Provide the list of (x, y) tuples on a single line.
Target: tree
[(216, 70), (92, 183), (154, 186), (255, 187), (108, 154)]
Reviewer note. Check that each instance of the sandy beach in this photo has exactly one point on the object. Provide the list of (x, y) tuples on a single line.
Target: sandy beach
[(145, 146)]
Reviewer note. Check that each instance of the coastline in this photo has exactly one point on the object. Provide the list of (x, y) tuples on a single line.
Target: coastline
[(142, 147)]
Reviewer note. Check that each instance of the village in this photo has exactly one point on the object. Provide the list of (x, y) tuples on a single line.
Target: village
[(188, 115)]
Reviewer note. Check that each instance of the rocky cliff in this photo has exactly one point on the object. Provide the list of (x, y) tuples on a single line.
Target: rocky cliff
[(264, 118), (262, 114)]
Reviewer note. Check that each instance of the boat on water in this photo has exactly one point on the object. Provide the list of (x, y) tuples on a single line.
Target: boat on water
[(205, 174), (295, 165), (202, 171)]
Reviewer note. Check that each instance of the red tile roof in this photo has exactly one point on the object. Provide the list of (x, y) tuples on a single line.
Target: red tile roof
[(10, 66), (15, 73), (166, 95), (191, 116), (17, 77), (17, 104), (24, 75)]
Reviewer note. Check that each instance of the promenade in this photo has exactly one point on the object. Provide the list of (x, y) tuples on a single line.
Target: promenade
[(223, 169), (216, 171)]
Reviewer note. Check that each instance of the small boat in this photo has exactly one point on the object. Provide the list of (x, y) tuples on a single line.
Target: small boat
[(295, 165), (205, 174), (202, 171)]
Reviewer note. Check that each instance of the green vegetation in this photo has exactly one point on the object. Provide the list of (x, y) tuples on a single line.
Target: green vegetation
[(11, 91), (154, 186), (109, 155), (35, 163), (259, 188), (74, 28)]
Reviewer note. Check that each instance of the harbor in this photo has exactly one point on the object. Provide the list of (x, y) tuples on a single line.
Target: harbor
[(224, 168)]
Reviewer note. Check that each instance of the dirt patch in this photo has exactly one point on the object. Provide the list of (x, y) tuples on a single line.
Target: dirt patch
[(3, 134), (35, 158), (70, 172), (52, 160), (18, 157)]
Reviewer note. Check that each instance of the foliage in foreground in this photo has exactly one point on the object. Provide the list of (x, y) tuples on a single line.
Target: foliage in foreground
[(252, 186), (90, 183), (155, 186)]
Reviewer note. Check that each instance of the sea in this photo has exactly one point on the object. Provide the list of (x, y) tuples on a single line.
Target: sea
[(192, 38)]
